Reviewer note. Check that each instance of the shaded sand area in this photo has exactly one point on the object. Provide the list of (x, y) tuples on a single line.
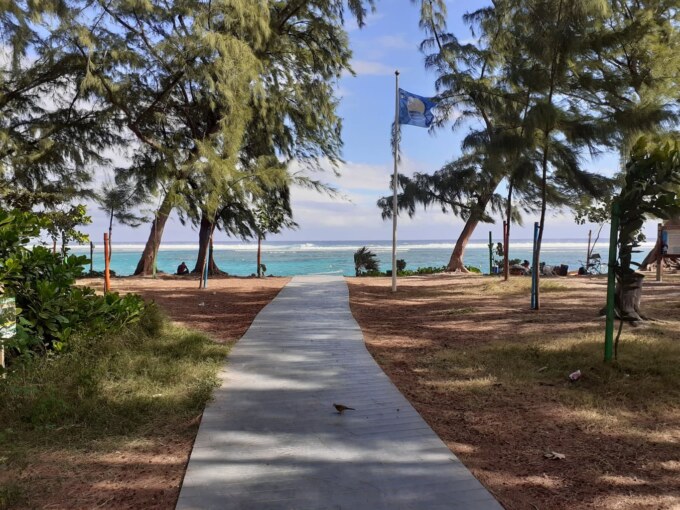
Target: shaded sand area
[(491, 378), (131, 453)]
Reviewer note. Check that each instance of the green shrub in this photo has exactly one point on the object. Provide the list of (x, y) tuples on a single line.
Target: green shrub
[(50, 308)]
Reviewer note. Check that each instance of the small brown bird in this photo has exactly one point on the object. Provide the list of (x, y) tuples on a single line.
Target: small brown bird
[(340, 408)]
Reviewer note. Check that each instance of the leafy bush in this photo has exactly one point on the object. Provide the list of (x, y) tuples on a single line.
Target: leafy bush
[(50, 308), (401, 265)]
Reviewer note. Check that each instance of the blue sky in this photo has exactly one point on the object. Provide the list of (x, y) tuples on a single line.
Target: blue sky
[(389, 41)]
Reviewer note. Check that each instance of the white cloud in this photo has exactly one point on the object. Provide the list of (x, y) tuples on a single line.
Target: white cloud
[(355, 215)]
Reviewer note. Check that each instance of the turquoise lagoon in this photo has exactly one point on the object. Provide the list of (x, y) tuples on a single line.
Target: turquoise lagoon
[(334, 257)]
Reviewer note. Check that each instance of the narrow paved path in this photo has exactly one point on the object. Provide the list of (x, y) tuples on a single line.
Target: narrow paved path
[(272, 440)]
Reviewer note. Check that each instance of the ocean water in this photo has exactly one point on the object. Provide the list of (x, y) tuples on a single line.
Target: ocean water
[(336, 257)]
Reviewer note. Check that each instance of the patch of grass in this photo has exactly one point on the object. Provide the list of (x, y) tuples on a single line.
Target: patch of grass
[(550, 286), (646, 373), (148, 380), (520, 285)]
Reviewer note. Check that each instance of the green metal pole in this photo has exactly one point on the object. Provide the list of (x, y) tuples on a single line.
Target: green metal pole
[(490, 253), (155, 252), (611, 284)]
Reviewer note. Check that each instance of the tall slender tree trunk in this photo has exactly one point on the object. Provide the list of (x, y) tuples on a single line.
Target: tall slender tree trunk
[(146, 261), (259, 256), (205, 234), (544, 169), (506, 240)]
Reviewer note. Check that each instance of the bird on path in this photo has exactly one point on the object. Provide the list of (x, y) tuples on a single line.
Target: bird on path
[(340, 408)]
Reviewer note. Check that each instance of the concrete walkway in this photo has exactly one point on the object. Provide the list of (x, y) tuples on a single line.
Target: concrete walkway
[(272, 440)]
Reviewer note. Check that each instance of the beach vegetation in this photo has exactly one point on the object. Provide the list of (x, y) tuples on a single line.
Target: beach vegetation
[(649, 190), (365, 262), (120, 201), (545, 81), (127, 389), (50, 308)]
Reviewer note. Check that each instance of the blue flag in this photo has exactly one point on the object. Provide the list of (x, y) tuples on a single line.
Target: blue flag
[(415, 110)]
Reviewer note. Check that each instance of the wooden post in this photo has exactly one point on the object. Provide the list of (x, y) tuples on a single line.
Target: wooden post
[(590, 237), (91, 258), (259, 256), (107, 262), (659, 251)]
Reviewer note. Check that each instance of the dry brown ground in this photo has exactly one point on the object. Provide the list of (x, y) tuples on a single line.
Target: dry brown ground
[(224, 310), (142, 472), (490, 377)]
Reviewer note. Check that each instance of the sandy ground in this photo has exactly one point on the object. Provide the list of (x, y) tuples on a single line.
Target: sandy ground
[(146, 473), (224, 310), (437, 340)]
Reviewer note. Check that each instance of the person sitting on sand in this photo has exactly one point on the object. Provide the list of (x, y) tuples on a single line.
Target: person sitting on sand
[(521, 269), (182, 269)]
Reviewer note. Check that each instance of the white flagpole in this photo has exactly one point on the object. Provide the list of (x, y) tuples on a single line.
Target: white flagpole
[(394, 183)]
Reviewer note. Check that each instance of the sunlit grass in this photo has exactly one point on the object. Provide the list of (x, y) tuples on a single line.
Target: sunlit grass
[(103, 393), (647, 372)]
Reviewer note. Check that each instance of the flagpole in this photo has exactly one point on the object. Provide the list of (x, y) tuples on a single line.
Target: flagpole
[(394, 182)]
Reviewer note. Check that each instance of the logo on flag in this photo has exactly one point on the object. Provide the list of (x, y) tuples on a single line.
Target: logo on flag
[(415, 110)]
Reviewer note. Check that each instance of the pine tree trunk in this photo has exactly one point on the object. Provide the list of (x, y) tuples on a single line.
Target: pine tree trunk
[(205, 233), (506, 234), (146, 261), (259, 256), (456, 261), (628, 296)]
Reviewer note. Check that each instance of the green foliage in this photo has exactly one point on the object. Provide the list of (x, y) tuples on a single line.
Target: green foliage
[(50, 308), (415, 272), (365, 261), (50, 134), (401, 264), (61, 224), (119, 200), (649, 190)]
